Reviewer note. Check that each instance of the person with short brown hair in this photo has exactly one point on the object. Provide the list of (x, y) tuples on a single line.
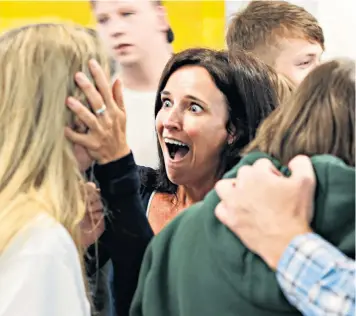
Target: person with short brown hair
[(284, 35), (138, 36), (282, 85), (319, 118)]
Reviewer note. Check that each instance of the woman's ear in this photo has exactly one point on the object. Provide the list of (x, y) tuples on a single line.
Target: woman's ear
[(231, 138), (232, 134)]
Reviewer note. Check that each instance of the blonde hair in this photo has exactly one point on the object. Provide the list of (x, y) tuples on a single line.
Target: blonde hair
[(39, 172), (318, 119)]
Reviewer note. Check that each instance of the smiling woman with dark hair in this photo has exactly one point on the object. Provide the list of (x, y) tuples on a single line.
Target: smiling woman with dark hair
[(208, 107)]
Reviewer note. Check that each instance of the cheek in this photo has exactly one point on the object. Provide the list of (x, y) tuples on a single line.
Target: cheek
[(299, 75), (208, 135), (287, 69), (194, 132), (83, 159), (103, 33), (159, 123)]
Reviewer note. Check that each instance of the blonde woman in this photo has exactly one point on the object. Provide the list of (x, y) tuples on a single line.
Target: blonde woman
[(41, 201)]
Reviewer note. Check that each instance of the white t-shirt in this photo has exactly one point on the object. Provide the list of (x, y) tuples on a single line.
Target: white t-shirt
[(40, 273), (140, 126)]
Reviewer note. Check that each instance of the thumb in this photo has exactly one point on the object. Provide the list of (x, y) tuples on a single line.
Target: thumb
[(302, 169), (117, 94), (90, 189), (91, 184)]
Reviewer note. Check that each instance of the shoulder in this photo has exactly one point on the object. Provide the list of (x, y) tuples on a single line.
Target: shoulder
[(334, 202), (42, 237), (333, 173), (332, 163), (41, 268), (248, 160)]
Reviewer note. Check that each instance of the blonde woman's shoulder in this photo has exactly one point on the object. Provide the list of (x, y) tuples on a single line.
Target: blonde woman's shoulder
[(43, 236), (41, 273)]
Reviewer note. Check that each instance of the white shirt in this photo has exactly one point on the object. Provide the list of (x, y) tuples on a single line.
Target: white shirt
[(40, 273), (140, 126)]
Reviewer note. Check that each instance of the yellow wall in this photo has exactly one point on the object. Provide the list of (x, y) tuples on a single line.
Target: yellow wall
[(195, 23), (17, 13)]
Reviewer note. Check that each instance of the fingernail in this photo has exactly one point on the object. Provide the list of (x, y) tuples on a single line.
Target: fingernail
[(94, 63), (71, 103), (80, 77)]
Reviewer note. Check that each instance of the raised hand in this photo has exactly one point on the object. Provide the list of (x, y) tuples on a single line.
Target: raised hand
[(105, 140)]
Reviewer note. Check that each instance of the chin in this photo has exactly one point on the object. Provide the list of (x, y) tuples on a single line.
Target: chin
[(127, 60), (175, 176)]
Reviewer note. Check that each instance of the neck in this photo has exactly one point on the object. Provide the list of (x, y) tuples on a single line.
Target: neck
[(145, 76), (188, 195)]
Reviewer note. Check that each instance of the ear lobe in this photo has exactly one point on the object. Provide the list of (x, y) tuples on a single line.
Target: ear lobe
[(231, 138), (232, 134), (163, 24)]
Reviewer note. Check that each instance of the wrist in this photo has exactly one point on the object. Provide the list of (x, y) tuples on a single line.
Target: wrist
[(273, 255), (124, 151)]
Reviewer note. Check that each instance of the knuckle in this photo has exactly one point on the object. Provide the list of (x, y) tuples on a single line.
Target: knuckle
[(263, 164), (114, 113), (106, 134), (243, 172), (109, 123), (111, 101), (86, 85), (307, 181), (80, 111), (96, 146), (92, 121), (99, 100)]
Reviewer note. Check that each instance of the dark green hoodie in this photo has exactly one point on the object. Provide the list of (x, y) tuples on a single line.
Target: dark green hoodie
[(197, 267)]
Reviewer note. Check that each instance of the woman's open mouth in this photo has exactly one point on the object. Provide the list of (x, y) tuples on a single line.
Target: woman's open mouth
[(176, 149)]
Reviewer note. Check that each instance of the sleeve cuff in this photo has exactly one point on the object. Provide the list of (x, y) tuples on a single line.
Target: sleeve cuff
[(118, 178), (115, 169), (308, 245)]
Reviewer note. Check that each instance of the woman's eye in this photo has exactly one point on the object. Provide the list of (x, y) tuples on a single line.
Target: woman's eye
[(166, 103), (195, 108)]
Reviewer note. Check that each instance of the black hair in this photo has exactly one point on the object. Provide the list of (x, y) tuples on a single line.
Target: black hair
[(249, 94)]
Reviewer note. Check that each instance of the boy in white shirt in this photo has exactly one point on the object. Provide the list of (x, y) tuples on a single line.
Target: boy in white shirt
[(139, 38)]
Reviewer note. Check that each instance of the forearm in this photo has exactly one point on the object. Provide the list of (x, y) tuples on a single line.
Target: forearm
[(317, 278), (119, 182), (126, 225), (127, 229)]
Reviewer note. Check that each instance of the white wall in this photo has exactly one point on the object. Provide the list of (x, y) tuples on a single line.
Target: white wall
[(337, 18)]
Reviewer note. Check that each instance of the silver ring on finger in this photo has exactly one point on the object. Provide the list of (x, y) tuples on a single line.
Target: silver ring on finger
[(101, 111)]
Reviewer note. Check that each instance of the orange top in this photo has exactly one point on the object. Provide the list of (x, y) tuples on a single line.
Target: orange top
[(162, 210)]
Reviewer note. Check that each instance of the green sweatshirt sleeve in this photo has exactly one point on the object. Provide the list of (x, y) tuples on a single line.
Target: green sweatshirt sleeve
[(196, 266)]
